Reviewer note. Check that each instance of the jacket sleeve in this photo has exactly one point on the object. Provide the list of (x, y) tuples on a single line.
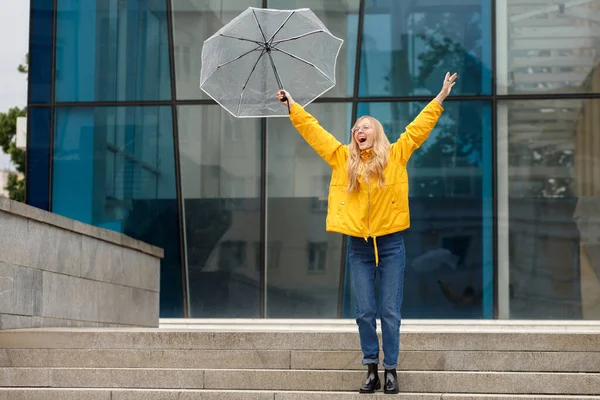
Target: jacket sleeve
[(418, 130), (323, 142)]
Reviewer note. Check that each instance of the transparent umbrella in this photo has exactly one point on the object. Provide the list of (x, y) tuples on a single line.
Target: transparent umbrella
[(262, 51)]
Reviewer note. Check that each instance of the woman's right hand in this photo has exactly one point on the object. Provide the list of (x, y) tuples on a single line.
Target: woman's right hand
[(280, 96)]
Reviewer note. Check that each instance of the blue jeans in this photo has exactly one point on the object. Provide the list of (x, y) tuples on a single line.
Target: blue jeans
[(391, 286)]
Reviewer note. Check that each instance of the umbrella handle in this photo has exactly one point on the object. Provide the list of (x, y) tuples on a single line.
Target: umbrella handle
[(285, 99)]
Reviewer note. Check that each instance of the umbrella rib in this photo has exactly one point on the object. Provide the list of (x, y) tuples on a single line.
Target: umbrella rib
[(298, 37), (239, 38), (275, 71), (259, 27), (280, 27), (238, 57), (304, 61), (262, 53)]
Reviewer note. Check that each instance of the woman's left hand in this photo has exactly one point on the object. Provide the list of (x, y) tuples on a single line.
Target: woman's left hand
[(449, 82)]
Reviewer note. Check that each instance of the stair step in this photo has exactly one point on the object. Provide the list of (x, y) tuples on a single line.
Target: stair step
[(300, 359), (133, 394), (554, 341), (300, 380), (411, 381), (465, 362)]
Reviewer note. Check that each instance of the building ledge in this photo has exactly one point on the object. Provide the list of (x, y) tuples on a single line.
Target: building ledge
[(408, 325)]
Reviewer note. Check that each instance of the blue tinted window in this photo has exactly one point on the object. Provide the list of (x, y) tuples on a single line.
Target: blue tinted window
[(407, 47), (40, 57), (449, 246), (38, 157), (114, 168), (109, 50)]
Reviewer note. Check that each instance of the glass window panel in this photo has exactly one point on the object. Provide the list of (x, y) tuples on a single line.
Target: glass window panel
[(341, 18), (40, 56), (112, 50), (38, 157), (220, 179), (449, 246), (554, 207), (407, 47), (303, 274), (142, 205), (549, 46), (110, 173), (194, 21)]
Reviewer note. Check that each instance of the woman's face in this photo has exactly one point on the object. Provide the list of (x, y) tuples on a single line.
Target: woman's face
[(364, 134)]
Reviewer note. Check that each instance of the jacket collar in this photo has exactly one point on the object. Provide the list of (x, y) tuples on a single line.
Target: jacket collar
[(366, 155)]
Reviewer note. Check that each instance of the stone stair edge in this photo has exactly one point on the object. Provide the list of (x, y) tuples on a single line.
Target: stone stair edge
[(402, 395), (112, 338), (515, 384), (415, 360), (324, 329), (306, 371)]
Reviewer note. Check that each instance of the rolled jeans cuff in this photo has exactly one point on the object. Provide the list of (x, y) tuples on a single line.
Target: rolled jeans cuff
[(367, 361)]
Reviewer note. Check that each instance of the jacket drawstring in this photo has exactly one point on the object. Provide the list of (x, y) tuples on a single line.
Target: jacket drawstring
[(376, 252), (374, 248)]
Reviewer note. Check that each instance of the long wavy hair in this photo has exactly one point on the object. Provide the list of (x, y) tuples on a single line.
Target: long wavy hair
[(374, 167)]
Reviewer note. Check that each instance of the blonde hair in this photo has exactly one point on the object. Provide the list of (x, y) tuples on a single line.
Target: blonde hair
[(373, 167)]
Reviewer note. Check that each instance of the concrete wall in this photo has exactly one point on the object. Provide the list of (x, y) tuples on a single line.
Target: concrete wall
[(56, 272)]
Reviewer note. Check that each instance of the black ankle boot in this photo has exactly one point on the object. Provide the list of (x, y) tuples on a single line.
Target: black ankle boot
[(372, 383), (391, 382)]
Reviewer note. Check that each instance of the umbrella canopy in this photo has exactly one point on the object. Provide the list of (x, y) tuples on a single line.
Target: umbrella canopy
[(262, 51)]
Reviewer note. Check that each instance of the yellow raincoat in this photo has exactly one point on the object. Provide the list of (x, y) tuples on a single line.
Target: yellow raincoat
[(370, 212)]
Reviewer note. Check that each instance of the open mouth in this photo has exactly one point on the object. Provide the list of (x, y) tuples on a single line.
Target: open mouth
[(361, 139)]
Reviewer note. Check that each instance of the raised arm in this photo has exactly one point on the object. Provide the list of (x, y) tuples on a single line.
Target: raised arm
[(419, 129), (323, 142)]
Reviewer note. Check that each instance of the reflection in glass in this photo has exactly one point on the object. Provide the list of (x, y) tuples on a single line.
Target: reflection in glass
[(112, 50), (303, 260), (113, 167), (220, 179), (546, 47), (341, 18), (194, 21), (38, 157), (408, 46), (554, 207), (40, 56), (449, 247)]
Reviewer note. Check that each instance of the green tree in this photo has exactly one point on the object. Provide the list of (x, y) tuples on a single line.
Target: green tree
[(449, 43), (24, 68), (8, 128)]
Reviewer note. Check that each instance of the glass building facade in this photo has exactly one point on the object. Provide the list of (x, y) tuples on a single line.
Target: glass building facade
[(504, 207)]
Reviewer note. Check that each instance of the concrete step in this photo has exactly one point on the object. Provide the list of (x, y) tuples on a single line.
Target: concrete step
[(349, 325), (133, 394), (415, 360), (301, 380), (143, 394), (424, 340)]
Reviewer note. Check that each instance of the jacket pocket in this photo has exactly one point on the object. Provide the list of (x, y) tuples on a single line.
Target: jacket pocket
[(338, 201), (341, 207), (399, 197)]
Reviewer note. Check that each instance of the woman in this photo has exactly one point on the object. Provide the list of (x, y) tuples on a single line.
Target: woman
[(368, 201)]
